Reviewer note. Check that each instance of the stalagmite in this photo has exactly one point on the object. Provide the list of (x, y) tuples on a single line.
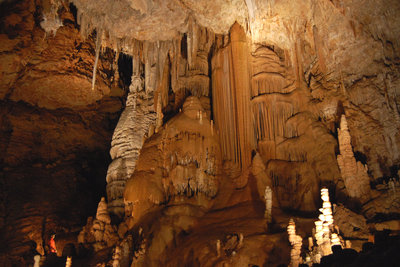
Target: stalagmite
[(354, 173), (335, 240), (116, 257), (310, 243), (296, 241), (36, 259), (99, 232), (218, 248), (68, 263), (241, 237), (102, 212), (268, 204), (323, 226)]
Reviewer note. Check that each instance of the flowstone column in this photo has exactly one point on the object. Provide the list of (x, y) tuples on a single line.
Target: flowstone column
[(136, 123)]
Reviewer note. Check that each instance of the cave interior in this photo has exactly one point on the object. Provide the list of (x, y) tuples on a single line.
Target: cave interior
[(199, 133)]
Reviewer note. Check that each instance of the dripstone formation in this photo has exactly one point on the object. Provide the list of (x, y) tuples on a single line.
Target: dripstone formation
[(207, 130)]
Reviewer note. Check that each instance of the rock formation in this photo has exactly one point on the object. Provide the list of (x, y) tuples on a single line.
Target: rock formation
[(68, 262), (296, 241), (231, 102), (187, 165), (351, 224), (99, 233), (54, 131), (324, 225), (268, 204), (354, 173), (133, 127), (116, 257), (223, 100)]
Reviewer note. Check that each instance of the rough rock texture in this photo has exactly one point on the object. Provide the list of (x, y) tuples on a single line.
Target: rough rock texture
[(351, 224), (55, 131)]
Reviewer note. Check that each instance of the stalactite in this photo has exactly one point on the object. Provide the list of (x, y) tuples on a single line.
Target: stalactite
[(51, 21), (98, 45)]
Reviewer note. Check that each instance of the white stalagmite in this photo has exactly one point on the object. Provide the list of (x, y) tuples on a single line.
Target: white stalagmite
[(335, 240), (323, 226), (36, 259), (68, 263), (268, 204), (296, 241), (353, 172)]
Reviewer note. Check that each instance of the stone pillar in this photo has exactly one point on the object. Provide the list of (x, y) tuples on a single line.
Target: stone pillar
[(354, 173), (268, 204), (132, 129), (296, 241)]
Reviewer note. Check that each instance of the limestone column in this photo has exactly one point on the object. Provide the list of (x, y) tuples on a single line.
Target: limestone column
[(134, 125), (354, 173)]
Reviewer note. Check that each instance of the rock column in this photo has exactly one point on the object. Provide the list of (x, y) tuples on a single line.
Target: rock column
[(136, 123), (354, 173)]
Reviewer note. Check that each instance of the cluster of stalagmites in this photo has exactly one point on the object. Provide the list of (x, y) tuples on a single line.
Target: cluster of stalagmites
[(100, 233), (326, 235)]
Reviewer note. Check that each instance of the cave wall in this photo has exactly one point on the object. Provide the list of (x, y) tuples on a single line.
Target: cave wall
[(55, 130)]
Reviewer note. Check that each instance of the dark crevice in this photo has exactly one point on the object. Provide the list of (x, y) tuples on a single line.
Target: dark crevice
[(184, 46), (125, 70)]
